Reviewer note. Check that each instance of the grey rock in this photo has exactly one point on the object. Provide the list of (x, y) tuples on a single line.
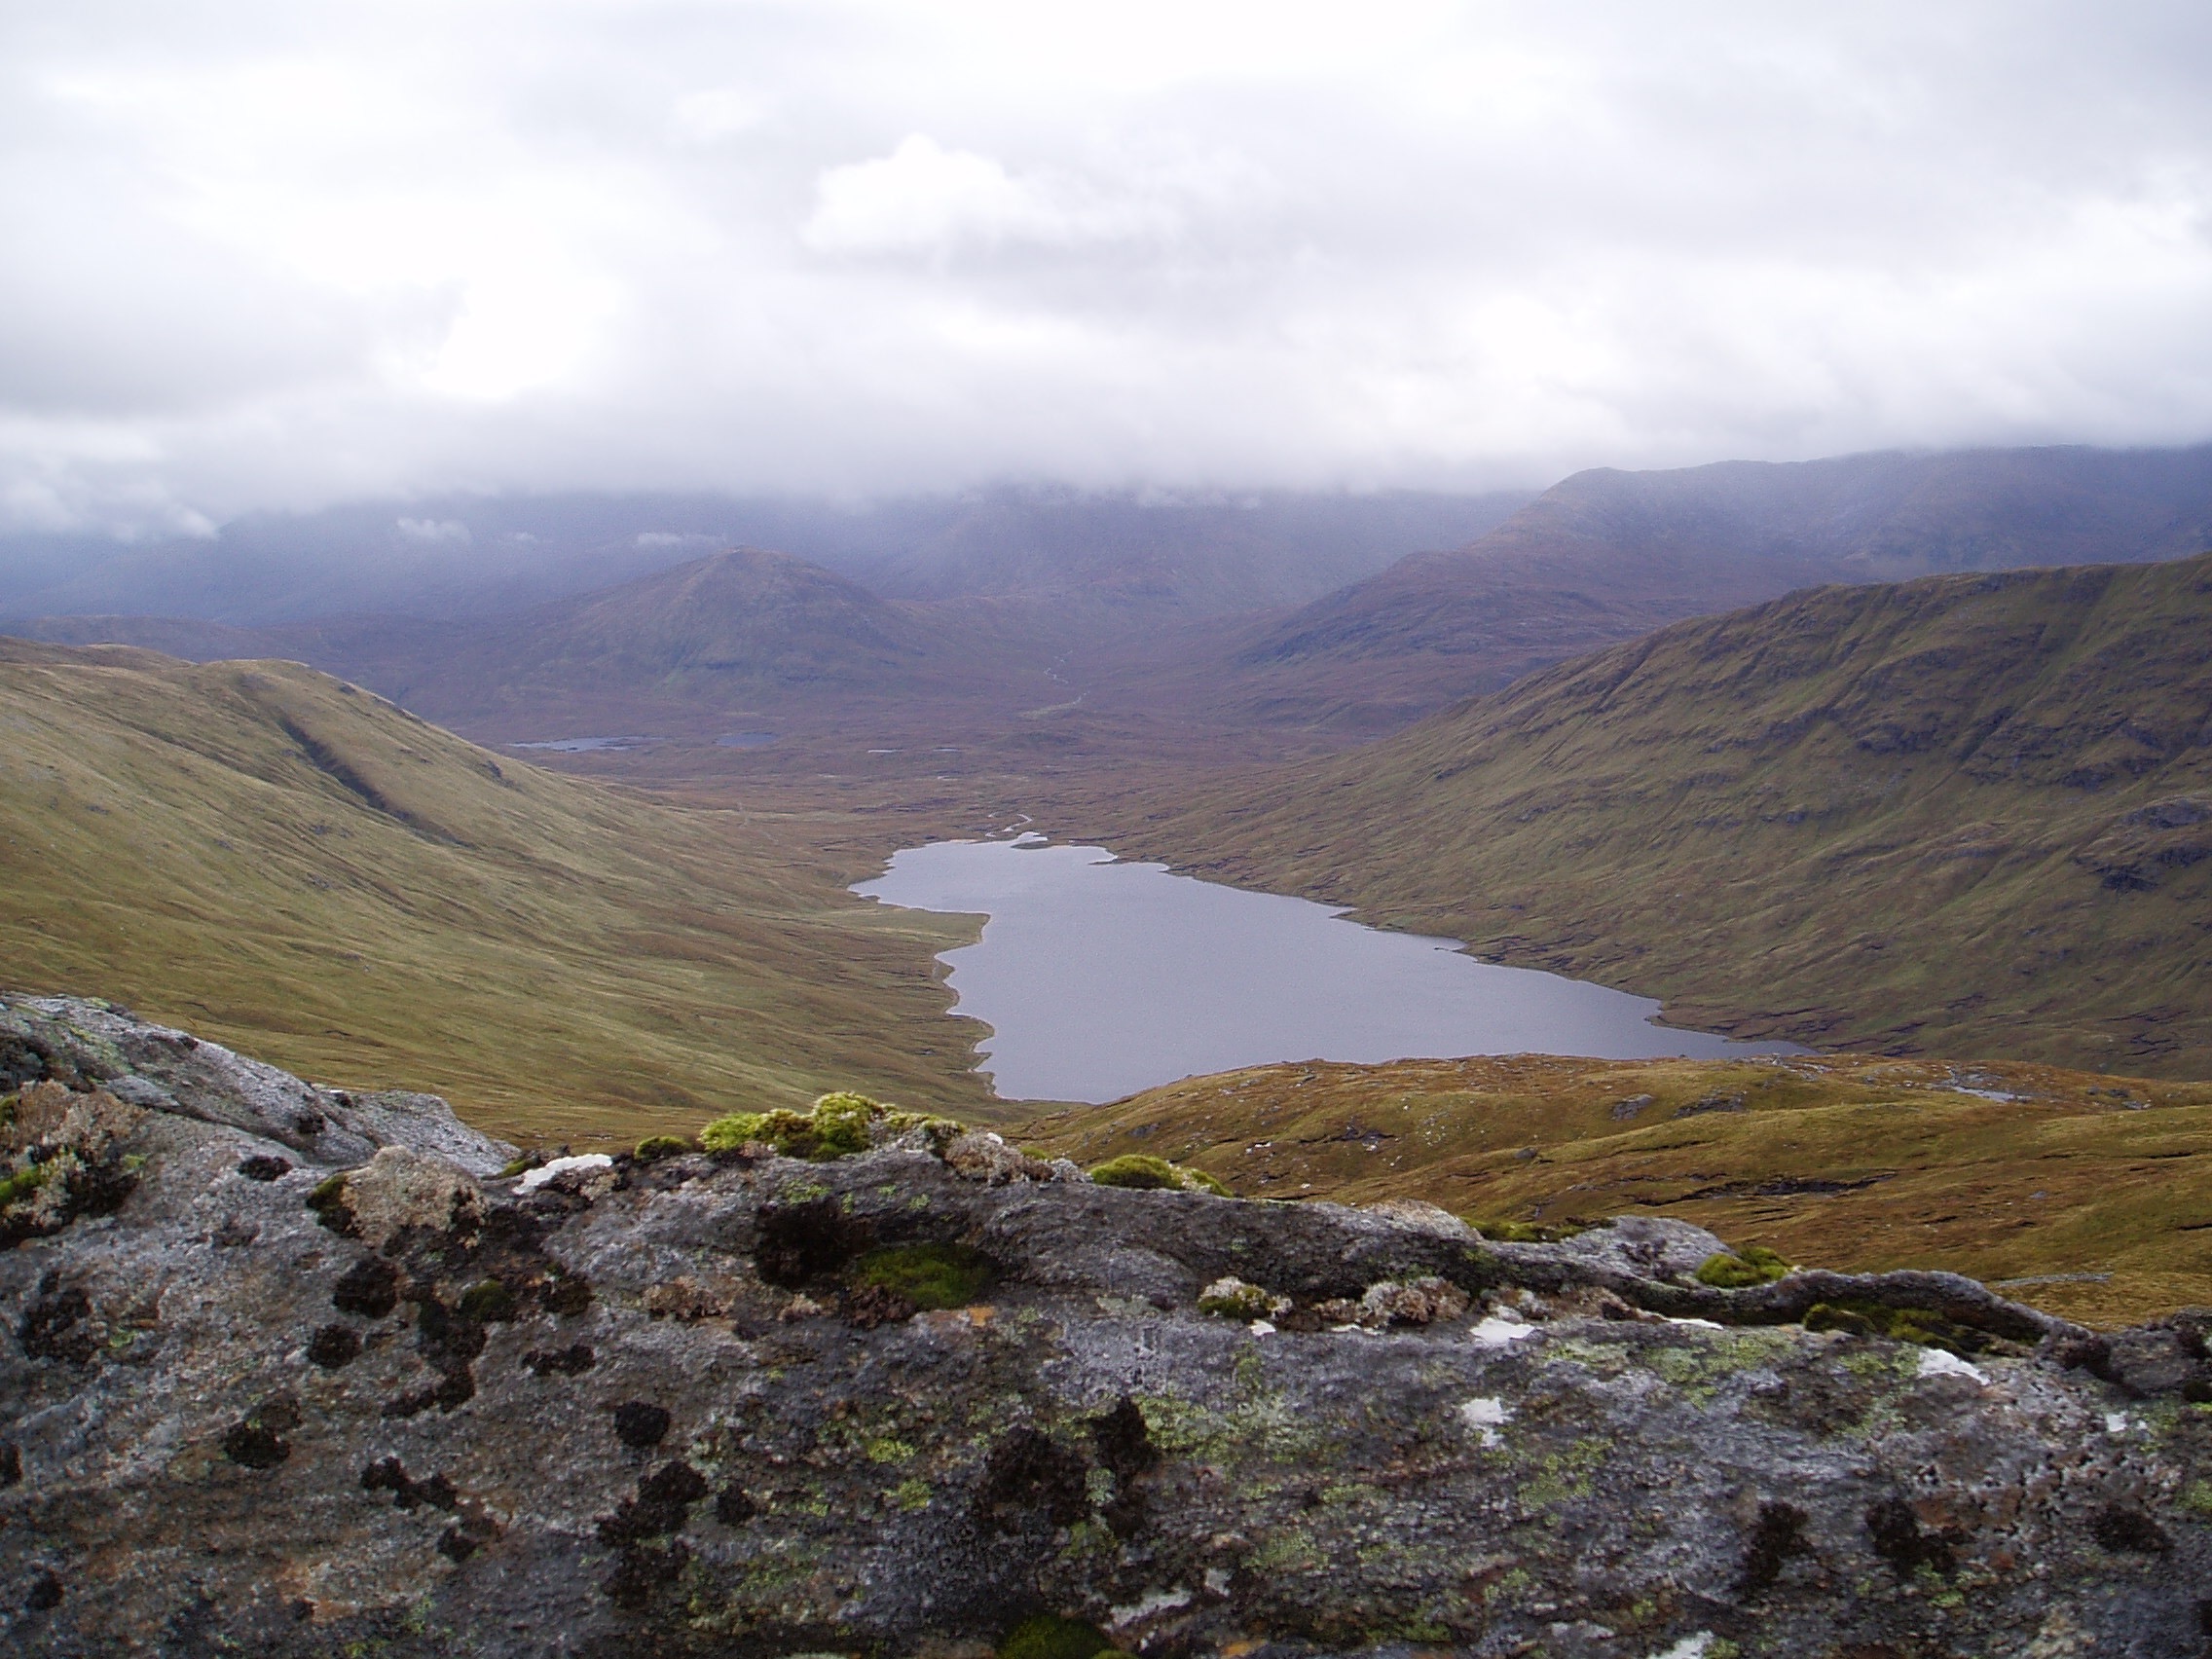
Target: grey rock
[(668, 1420)]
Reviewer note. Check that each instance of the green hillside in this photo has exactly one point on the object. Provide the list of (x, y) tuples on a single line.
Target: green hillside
[(299, 868), (1967, 815)]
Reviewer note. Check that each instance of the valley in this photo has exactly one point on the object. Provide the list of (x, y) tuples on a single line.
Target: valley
[(1954, 823)]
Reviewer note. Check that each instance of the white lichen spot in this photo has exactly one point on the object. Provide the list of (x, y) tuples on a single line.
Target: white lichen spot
[(1486, 1415), (1145, 1607), (1262, 1328), (1703, 1325), (1936, 1362), (1689, 1648), (1496, 1333), (1217, 1581), (553, 1169), (2118, 1423)]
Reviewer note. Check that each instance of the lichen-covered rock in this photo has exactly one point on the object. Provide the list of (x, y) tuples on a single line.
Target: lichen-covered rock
[(981, 1156), (768, 1405), (399, 1190), (1422, 1301)]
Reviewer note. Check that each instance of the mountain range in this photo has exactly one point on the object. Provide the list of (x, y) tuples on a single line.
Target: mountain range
[(1298, 620)]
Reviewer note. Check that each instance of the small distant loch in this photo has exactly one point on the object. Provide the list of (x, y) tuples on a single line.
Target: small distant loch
[(1098, 979)]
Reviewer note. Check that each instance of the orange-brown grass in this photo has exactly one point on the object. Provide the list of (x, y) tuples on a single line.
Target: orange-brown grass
[(2096, 1190)]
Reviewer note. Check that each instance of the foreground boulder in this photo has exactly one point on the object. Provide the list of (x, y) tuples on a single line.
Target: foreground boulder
[(286, 1370)]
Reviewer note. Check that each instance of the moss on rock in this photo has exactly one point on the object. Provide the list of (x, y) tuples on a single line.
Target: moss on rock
[(928, 1275), (1142, 1170), (1741, 1270)]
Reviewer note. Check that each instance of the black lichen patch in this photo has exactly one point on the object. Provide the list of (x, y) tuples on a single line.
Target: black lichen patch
[(734, 1506), (1775, 1535), (1899, 1539), (662, 1505), (22, 1061), (1030, 1475), (46, 1592), (2127, 1531), (466, 1537), (262, 1166), (11, 1464), (334, 1346), (640, 1423), (572, 1361), (369, 1288), (806, 1242), (642, 1570), (59, 1325), (642, 1530), (1124, 1441), (257, 1440), (389, 1474)]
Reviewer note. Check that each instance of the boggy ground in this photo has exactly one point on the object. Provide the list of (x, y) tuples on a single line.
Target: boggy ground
[(2087, 1195), (263, 1391)]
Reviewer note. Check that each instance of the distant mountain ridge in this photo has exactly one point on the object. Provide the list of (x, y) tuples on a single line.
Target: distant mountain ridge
[(1969, 814), (1608, 555)]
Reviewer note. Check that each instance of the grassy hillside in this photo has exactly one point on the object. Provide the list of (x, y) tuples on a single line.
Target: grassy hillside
[(2095, 1191), (1968, 815), (294, 867)]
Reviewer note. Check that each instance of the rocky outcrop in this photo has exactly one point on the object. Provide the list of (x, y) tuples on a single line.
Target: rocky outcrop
[(301, 1373)]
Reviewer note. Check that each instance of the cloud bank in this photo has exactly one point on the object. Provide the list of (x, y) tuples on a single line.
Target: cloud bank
[(269, 256)]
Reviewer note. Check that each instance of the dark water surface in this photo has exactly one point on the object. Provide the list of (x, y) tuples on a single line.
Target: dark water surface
[(1099, 979)]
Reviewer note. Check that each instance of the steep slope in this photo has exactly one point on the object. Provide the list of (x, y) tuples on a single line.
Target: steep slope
[(1968, 815), (2082, 1194), (1606, 555), (304, 870)]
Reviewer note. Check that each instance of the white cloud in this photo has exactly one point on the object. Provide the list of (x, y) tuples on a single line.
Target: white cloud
[(435, 533), (265, 256), (923, 196)]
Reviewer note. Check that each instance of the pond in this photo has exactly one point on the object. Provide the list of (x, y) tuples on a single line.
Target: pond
[(1098, 979)]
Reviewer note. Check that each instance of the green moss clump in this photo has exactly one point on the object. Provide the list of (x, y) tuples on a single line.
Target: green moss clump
[(929, 1275), (1741, 1270), (518, 1164), (1142, 1170), (840, 1123), (328, 1202), (1526, 1231), (1233, 1299), (13, 1188), (838, 1127), (1920, 1325), (488, 1301), (1049, 1636), (727, 1135), (654, 1148)]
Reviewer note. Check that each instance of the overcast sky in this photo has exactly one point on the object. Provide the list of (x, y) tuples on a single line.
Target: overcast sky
[(276, 255)]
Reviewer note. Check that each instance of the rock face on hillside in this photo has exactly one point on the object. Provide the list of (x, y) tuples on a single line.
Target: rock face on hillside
[(290, 1372)]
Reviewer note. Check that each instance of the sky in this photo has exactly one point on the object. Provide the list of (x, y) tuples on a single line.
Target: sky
[(274, 256)]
